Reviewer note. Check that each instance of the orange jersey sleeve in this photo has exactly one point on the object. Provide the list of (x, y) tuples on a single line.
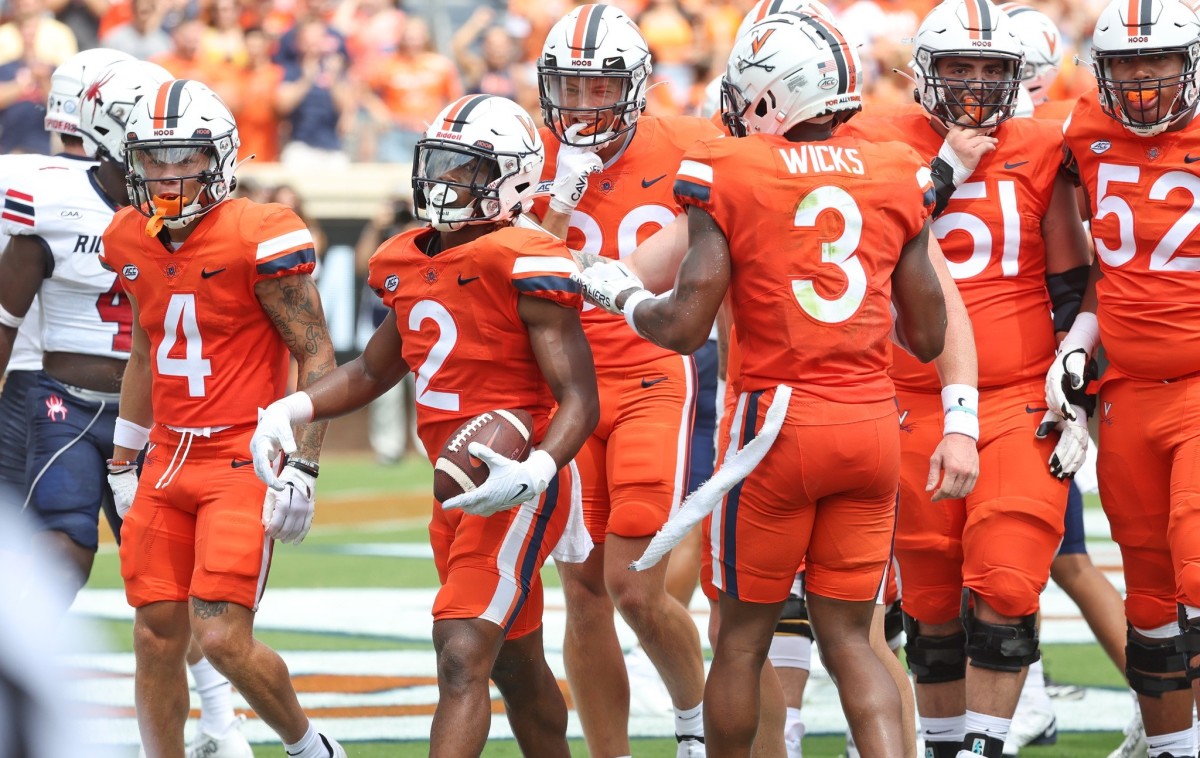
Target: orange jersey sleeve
[(457, 316), (215, 354), (625, 204), (991, 235), (815, 231), (1144, 198)]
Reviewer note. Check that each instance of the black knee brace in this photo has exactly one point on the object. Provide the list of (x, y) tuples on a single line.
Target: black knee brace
[(1000, 647), (1162, 658), (934, 660), (893, 621), (794, 619)]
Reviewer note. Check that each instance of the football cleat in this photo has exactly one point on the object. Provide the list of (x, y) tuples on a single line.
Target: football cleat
[(689, 746), (232, 744), (1134, 745)]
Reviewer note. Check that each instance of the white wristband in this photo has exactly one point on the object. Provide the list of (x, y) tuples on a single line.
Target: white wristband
[(1084, 334), (130, 435), (9, 319), (542, 464), (960, 403), (299, 407), (632, 303), (961, 172)]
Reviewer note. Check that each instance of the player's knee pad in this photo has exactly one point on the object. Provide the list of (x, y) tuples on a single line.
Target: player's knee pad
[(794, 619), (1154, 666), (1188, 643), (1000, 647), (893, 625), (934, 660)]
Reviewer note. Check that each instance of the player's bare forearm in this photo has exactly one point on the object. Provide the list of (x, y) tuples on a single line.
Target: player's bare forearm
[(356, 383), (556, 223), (958, 363), (656, 261), (565, 358), (294, 306), (919, 300)]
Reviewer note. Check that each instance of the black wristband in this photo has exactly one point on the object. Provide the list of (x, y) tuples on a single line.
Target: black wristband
[(312, 468)]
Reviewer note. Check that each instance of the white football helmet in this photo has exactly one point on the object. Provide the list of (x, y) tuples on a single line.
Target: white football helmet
[(186, 125), (967, 29), (1146, 28), (1042, 43), (478, 163), (107, 102), (764, 8), (67, 83), (593, 72), (790, 68)]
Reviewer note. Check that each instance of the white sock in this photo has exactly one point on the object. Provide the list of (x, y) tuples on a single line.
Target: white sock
[(1181, 743), (690, 722), (1035, 682), (948, 729), (216, 698), (310, 746), (989, 726), (793, 733)]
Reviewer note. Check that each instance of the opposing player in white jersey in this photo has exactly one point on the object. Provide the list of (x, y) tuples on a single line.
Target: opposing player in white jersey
[(62, 118), (56, 216)]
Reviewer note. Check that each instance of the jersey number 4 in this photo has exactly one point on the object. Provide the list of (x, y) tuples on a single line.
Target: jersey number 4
[(113, 307), (180, 320)]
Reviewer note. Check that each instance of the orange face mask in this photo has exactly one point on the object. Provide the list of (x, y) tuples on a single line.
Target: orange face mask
[(163, 207)]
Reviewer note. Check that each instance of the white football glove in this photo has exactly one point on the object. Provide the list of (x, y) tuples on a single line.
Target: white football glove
[(272, 436), (1068, 367), (510, 483), (124, 486), (1073, 440), (288, 513), (575, 165), (602, 282)]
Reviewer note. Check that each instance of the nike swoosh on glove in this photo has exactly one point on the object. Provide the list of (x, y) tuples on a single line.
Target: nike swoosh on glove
[(1073, 440), (510, 483), (1065, 374), (603, 282), (288, 512), (272, 436), (124, 486)]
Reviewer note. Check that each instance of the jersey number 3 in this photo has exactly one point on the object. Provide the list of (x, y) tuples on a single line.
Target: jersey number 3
[(840, 252)]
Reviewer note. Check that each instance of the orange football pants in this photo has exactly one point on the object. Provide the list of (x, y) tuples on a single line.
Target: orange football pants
[(195, 527), (1149, 470), (823, 498), (634, 467), (491, 567), (999, 540)]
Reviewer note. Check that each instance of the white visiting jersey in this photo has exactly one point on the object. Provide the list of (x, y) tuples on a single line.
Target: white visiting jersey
[(27, 349), (84, 310)]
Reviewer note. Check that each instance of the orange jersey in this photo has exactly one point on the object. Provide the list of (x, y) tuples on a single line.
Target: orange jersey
[(1144, 199), (457, 316), (815, 230), (215, 355), (991, 235), (625, 204), (1054, 110)]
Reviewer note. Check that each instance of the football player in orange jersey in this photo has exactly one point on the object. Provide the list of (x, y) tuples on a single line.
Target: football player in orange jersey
[(1015, 246), (842, 224), (606, 187), (1131, 144), (486, 316), (221, 295)]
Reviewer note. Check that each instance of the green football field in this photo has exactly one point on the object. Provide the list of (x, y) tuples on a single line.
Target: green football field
[(328, 607)]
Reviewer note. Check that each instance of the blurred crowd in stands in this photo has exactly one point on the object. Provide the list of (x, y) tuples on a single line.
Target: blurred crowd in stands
[(319, 83)]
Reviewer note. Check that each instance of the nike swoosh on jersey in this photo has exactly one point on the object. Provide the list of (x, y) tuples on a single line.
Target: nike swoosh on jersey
[(648, 183), (468, 280), (1030, 409), (1189, 159), (206, 274), (652, 382), (1018, 164), (235, 463)]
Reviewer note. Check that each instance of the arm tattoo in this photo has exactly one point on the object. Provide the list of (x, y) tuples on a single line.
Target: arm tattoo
[(586, 259), (206, 610)]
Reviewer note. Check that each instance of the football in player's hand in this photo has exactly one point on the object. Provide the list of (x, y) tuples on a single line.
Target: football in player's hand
[(508, 432)]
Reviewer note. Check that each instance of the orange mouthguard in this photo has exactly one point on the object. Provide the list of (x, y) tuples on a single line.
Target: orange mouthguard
[(1140, 96), (164, 206)]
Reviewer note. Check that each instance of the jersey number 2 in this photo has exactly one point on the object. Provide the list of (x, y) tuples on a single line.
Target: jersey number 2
[(430, 310), (181, 315)]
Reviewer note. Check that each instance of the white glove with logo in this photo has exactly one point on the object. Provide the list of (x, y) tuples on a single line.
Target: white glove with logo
[(124, 486), (288, 513), (1068, 368), (575, 165), (1073, 441), (272, 436), (602, 282), (510, 483)]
